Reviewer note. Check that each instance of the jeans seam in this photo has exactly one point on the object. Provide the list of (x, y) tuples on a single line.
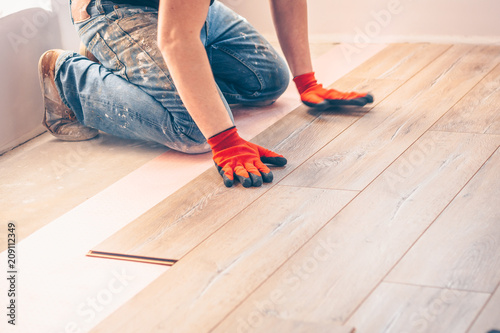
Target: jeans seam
[(187, 131), (137, 115), (90, 23), (180, 129), (117, 64), (61, 60), (235, 56), (133, 41)]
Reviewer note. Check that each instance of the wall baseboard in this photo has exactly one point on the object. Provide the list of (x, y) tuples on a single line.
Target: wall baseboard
[(438, 39), (5, 147)]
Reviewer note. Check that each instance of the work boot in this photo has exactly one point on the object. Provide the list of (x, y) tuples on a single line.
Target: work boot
[(58, 118)]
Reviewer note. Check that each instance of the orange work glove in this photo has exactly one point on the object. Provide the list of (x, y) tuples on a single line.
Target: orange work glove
[(234, 156), (314, 95)]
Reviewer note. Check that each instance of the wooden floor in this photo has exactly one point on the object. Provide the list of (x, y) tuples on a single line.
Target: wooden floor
[(386, 219)]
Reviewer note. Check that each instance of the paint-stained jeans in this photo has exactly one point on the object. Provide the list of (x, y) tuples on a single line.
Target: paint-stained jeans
[(131, 94)]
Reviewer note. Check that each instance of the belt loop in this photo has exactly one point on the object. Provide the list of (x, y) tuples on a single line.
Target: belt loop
[(99, 7)]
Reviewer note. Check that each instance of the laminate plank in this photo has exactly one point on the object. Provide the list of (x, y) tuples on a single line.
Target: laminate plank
[(366, 148), (488, 319), (400, 308), (45, 177), (462, 247), (334, 272), (277, 325), (478, 111), (180, 222), (203, 287), (405, 59)]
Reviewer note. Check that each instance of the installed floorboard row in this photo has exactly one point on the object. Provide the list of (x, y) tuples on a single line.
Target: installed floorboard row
[(366, 148), (404, 61), (488, 319), (175, 226), (479, 111), (458, 250), (203, 287), (291, 326), (399, 308), (299, 134), (368, 237), (346, 260)]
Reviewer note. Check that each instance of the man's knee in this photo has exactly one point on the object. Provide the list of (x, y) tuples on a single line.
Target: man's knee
[(187, 138), (282, 80), (277, 82), (190, 147), (197, 149)]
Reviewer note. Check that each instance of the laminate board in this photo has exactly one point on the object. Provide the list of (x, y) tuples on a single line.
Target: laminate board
[(397, 308), (462, 247), (405, 60), (277, 325), (339, 267), (180, 222), (207, 283), (46, 177), (478, 111), (488, 319), (366, 148)]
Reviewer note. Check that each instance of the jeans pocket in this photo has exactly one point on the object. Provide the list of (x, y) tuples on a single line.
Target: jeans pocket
[(79, 12), (108, 58)]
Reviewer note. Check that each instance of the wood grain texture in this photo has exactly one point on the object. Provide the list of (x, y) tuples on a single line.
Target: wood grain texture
[(257, 324), (405, 60), (366, 148), (286, 252), (180, 222), (478, 111), (396, 308), (340, 266), (183, 220), (489, 318), (459, 249), (199, 290)]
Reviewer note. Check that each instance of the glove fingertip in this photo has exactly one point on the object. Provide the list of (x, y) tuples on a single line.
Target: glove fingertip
[(267, 177), (278, 160), (256, 180), (227, 176), (245, 181), (227, 182), (369, 98)]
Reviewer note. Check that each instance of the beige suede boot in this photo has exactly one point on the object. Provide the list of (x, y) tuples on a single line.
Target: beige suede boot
[(58, 118)]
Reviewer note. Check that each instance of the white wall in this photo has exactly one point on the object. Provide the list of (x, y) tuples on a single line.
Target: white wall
[(448, 21), (24, 36), (27, 29)]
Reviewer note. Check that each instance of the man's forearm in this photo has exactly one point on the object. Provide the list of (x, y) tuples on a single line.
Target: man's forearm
[(179, 25), (290, 21), (190, 70)]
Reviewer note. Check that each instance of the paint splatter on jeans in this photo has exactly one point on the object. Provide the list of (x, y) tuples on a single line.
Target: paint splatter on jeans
[(131, 94)]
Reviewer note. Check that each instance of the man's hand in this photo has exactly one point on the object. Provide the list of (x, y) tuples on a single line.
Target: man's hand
[(314, 95), (235, 156)]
